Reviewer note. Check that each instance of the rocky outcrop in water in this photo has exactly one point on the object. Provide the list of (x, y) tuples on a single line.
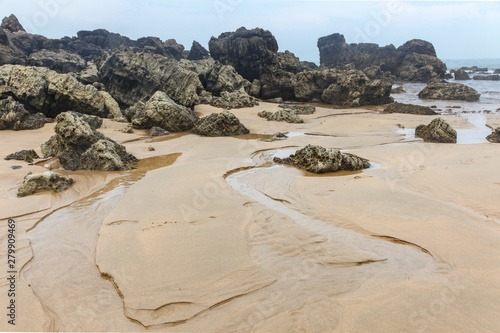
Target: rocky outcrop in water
[(449, 91), (163, 112), (342, 87), (495, 136), (398, 90), (14, 116), (234, 100), (49, 92), (220, 124), (318, 159), (285, 115), (41, 182), (132, 77), (78, 146), (409, 108), (494, 77), (461, 75), (23, 155), (413, 61), (437, 131)]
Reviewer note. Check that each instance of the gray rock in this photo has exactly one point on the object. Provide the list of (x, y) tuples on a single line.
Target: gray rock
[(220, 124), (90, 74), (461, 75), (318, 159), (60, 61), (277, 100), (398, 90), (198, 52), (95, 122), (14, 116), (128, 129), (437, 131), (255, 88), (234, 100), (277, 137), (158, 131), (41, 182), (300, 109), (285, 115), (494, 77), (49, 92), (495, 136), (12, 24), (449, 91), (23, 155), (163, 112), (409, 108), (417, 67), (220, 78), (79, 147)]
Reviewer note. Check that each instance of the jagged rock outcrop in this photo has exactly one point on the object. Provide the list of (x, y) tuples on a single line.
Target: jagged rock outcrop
[(494, 77), (221, 78), (163, 112), (413, 61), (94, 121), (79, 147), (44, 90), (234, 100), (318, 159), (495, 136), (41, 182), (198, 52), (220, 124), (12, 24), (299, 108), (285, 115), (342, 87), (437, 131), (23, 155), (461, 75), (409, 108), (132, 77), (14, 116), (449, 91), (60, 61)]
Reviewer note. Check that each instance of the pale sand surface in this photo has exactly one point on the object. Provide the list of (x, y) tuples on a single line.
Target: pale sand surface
[(199, 241)]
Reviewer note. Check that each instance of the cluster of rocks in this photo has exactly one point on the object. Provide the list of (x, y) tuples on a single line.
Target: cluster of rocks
[(300, 109), (409, 108), (317, 159)]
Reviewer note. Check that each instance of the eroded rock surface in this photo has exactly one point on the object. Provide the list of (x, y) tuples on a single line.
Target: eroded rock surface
[(449, 91), (409, 108), (224, 123), (14, 116), (437, 131), (41, 182)]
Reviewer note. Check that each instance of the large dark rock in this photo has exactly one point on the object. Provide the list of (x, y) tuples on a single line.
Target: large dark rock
[(163, 112), (318, 159), (413, 61), (60, 61), (461, 75), (198, 52), (132, 77), (495, 136), (342, 87), (494, 77), (49, 92), (409, 108), (234, 100), (437, 131), (23, 155), (14, 116), (12, 24), (41, 182), (220, 124), (219, 78), (285, 115), (449, 91), (79, 147)]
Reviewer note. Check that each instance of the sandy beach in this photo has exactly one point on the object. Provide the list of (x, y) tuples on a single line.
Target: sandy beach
[(209, 235)]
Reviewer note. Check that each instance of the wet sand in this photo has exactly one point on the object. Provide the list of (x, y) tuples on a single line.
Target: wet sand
[(208, 235)]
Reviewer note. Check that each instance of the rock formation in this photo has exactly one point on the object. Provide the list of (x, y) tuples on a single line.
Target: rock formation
[(41, 182), (409, 108), (12, 24), (163, 112), (234, 100), (158, 131), (299, 109), (285, 115), (318, 159), (220, 124), (461, 75), (23, 155), (494, 77), (437, 131), (78, 146), (449, 91), (219, 78), (495, 136), (59, 60), (198, 52), (398, 90), (14, 116)]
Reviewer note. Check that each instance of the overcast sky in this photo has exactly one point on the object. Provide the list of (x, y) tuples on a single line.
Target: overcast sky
[(458, 29)]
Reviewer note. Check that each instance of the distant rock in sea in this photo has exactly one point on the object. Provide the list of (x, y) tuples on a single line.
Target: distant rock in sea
[(449, 91)]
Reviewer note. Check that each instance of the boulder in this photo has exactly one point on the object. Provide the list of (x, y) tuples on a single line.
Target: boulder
[(23, 155), (60, 61), (417, 67), (318, 159), (342, 87), (285, 115), (437, 131), (90, 74), (80, 147), (12, 24), (220, 124), (495, 136), (41, 182), (94, 121), (158, 131), (132, 77), (398, 90), (449, 91), (299, 108), (14, 116), (494, 77), (163, 112), (461, 75), (277, 137), (49, 92), (221, 78), (198, 52), (409, 108), (234, 100)]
